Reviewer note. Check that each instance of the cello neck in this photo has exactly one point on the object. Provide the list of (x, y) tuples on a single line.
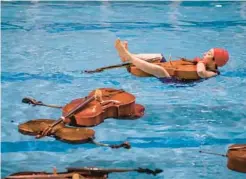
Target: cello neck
[(79, 107), (212, 153), (76, 109)]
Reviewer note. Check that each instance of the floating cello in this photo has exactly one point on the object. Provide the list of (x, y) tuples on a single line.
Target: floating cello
[(84, 112), (78, 173), (72, 135), (181, 69), (236, 155)]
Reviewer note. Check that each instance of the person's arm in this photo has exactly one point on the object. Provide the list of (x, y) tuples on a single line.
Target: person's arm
[(202, 72), (150, 68)]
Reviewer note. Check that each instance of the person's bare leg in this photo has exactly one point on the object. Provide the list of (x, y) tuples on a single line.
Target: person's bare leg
[(142, 56), (147, 56), (150, 68), (125, 54)]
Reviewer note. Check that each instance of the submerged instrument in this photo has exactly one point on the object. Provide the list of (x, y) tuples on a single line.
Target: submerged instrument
[(72, 135), (79, 173), (89, 111), (236, 155), (181, 69)]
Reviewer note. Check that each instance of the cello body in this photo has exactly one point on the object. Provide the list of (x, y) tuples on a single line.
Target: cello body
[(237, 157), (179, 69), (113, 104), (84, 112)]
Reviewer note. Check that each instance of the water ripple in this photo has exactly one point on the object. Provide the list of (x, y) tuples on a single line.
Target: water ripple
[(69, 76), (14, 77), (144, 142), (122, 25)]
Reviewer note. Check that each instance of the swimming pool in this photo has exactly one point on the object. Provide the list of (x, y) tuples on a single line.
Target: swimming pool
[(45, 46)]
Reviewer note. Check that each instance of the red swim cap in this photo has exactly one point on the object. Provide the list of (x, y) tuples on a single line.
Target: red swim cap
[(221, 56)]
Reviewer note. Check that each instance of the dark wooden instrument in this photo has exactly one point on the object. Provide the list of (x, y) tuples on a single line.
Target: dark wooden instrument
[(79, 173), (236, 155), (72, 135), (88, 111), (108, 103)]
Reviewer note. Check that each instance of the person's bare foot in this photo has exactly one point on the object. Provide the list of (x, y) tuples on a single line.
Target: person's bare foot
[(121, 50), (125, 44)]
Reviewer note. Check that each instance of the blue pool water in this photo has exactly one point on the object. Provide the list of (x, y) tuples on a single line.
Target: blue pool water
[(46, 45)]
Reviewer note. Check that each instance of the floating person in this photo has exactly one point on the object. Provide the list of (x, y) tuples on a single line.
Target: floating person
[(205, 67)]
